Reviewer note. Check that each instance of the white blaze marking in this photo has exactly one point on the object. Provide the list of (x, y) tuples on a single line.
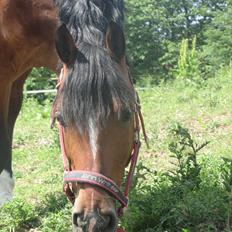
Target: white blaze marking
[(93, 133), (92, 200), (6, 187)]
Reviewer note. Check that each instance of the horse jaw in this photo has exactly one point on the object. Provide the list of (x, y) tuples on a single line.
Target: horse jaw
[(6, 187)]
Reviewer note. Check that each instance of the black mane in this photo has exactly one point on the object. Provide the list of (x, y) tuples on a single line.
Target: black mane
[(94, 82)]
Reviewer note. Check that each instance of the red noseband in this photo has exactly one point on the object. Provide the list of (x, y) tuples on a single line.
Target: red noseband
[(98, 180)]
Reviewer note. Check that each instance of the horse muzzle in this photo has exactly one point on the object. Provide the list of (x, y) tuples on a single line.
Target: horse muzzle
[(94, 222), (94, 211)]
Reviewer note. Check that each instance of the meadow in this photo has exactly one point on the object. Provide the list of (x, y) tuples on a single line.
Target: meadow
[(183, 182)]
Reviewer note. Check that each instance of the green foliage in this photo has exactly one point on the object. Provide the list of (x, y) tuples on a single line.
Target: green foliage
[(41, 79), (53, 214), (226, 174), (200, 203), (226, 170), (188, 64), (217, 51), (185, 151), (17, 215), (178, 202), (153, 29)]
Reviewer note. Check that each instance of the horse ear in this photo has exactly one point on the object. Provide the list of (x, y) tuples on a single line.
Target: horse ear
[(65, 45), (115, 41)]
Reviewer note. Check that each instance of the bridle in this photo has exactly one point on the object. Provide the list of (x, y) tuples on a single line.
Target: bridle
[(97, 179)]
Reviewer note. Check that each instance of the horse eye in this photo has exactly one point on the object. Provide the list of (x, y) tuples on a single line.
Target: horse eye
[(126, 115), (60, 119)]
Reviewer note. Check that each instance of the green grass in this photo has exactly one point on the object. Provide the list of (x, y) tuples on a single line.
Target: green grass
[(157, 203)]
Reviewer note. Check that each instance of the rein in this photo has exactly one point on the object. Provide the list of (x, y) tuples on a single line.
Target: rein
[(97, 179)]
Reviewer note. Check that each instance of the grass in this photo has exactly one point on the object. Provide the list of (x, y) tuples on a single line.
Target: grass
[(158, 203)]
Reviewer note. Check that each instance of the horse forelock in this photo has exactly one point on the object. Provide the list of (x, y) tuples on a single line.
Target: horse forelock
[(93, 87), (87, 20), (94, 82)]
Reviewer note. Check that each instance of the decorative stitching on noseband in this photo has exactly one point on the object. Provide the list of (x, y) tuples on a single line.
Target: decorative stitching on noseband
[(96, 179)]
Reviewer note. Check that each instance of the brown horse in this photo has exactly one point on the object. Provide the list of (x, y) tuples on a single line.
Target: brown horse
[(96, 109), (27, 31), (96, 103)]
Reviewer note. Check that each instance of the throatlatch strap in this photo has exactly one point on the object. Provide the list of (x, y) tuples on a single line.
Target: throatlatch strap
[(98, 180)]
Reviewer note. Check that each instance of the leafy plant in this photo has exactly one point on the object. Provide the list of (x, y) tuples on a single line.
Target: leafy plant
[(217, 52), (154, 28), (17, 215), (226, 174), (188, 64), (40, 79), (184, 150)]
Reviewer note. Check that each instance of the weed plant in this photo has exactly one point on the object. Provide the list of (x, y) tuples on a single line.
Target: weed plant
[(188, 69), (177, 200)]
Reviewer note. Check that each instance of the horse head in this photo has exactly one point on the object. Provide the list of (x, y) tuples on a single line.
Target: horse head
[(96, 110)]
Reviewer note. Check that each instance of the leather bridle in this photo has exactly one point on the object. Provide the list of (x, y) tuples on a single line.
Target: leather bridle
[(97, 179)]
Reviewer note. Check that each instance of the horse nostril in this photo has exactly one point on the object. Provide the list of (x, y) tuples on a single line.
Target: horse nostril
[(74, 218), (94, 221), (110, 221), (101, 222), (78, 219)]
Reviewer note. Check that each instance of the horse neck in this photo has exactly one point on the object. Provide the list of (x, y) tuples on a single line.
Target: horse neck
[(21, 19), (27, 30)]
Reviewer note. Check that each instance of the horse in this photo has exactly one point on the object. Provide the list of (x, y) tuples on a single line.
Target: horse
[(27, 32), (96, 105), (97, 109)]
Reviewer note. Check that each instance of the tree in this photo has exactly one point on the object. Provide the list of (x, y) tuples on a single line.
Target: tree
[(218, 48), (154, 28)]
